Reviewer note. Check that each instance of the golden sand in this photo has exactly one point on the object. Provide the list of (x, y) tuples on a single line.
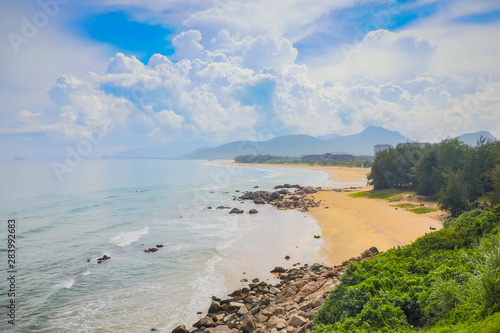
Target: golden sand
[(351, 225)]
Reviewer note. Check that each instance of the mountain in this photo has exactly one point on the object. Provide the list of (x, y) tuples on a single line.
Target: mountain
[(289, 145), (328, 136), (362, 143), (471, 138)]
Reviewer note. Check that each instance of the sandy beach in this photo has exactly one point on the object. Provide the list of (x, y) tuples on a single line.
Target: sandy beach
[(351, 225)]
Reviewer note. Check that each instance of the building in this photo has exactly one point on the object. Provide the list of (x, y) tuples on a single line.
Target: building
[(339, 157), (381, 147), (328, 157)]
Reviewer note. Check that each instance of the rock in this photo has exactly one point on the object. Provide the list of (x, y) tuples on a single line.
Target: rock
[(180, 329), (260, 318), (236, 211), (205, 322), (296, 320), (247, 324), (152, 249), (235, 293), (214, 307), (309, 288), (274, 291), (280, 326), (255, 187), (222, 329), (159, 245), (255, 280), (242, 311), (317, 236), (235, 306), (310, 190), (104, 258), (278, 269), (318, 301), (266, 313), (287, 258), (290, 291), (275, 195), (279, 311), (253, 211), (274, 321), (259, 201)]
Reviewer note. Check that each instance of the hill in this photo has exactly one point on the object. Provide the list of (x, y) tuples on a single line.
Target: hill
[(362, 143), (471, 138), (289, 145)]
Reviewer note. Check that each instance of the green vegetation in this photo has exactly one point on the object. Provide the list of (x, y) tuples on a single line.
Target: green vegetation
[(267, 159), (446, 281), (415, 209), (274, 159), (390, 194), (457, 174)]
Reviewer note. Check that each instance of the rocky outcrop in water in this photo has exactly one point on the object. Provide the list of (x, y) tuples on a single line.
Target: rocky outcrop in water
[(284, 199)]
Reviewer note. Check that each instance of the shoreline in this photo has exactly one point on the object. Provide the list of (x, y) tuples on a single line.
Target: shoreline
[(351, 225)]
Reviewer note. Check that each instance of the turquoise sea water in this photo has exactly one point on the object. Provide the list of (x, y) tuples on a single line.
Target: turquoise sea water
[(99, 208)]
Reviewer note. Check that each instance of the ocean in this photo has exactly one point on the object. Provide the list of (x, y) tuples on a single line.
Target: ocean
[(119, 208)]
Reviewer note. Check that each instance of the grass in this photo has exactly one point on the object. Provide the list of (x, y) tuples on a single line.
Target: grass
[(423, 210), (415, 209), (391, 194), (394, 195)]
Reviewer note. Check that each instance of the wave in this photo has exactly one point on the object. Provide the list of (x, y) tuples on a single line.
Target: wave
[(66, 284), (87, 272), (127, 238)]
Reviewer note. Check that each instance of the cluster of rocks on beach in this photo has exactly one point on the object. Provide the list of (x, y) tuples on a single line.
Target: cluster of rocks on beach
[(286, 307), (285, 196)]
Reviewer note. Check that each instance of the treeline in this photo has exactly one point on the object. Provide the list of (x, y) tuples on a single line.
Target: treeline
[(276, 159), (455, 173), (348, 163), (446, 281), (267, 159)]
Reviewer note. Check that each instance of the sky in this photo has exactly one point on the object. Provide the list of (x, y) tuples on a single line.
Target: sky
[(102, 76)]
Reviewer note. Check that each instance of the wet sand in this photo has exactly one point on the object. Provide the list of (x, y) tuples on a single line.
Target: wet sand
[(351, 225)]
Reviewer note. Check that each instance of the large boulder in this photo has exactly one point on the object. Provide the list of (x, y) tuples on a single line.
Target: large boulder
[(310, 189), (204, 322), (259, 201), (222, 329), (214, 307), (278, 269), (253, 211), (180, 329), (296, 320), (275, 195), (247, 324), (236, 211)]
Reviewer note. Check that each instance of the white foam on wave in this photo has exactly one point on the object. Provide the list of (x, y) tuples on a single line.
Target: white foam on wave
[(272, 174), (87, 272), (127, 238), (66, 284), (206, 284)]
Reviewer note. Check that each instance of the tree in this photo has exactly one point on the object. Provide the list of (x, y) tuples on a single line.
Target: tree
[(453, 196)]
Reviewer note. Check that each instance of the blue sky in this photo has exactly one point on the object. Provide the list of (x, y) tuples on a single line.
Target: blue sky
[(171, 72)]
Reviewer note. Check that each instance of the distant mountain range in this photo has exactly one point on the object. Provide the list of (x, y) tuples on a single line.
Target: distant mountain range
[(298, 145), (289, 145), (471, 138)]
